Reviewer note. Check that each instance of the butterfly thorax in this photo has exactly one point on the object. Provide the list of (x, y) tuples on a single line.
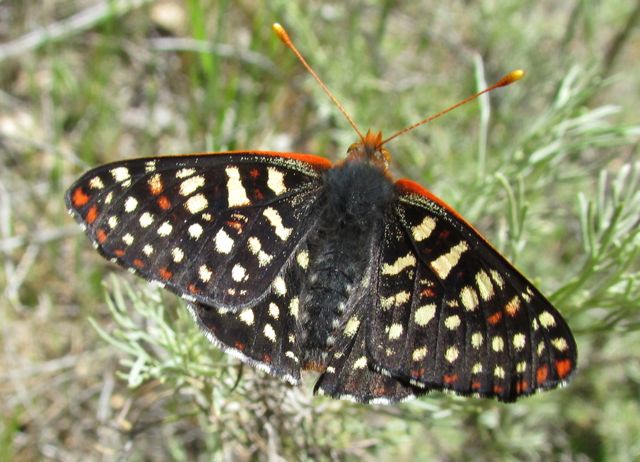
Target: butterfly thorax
[(357, 196)]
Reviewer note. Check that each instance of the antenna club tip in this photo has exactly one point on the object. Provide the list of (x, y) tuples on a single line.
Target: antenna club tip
[(510, 78), (280, 32)]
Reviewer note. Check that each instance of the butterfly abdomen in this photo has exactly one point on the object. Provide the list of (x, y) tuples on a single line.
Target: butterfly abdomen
[(356, 199)]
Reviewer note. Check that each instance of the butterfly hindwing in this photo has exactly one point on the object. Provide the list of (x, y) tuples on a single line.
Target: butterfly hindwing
[(454, 314), (200, 223), (349, 373)]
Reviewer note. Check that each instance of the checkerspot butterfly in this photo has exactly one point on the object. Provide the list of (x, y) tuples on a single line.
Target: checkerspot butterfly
[(289, 262)]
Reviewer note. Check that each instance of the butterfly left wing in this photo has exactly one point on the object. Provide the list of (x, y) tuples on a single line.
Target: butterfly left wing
[(215, 228), (452, 313)]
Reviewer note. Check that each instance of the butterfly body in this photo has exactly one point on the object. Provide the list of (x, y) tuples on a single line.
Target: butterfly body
[(289, 262), (356, 199)]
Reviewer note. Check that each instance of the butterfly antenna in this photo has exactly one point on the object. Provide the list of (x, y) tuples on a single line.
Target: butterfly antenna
[(508, 79), (282, 34)]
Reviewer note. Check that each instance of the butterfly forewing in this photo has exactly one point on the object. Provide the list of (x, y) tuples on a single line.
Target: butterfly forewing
[(454, 314), (215, 228)]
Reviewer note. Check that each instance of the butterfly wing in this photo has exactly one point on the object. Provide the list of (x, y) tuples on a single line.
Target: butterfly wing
[(262, 335), (452, 313), (349, 374), (214, 228)]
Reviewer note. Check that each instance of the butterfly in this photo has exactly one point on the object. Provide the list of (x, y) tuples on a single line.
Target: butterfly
[(292, 263)]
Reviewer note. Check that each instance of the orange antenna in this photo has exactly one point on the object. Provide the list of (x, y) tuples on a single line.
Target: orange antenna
[(282, 34), (508, 79)]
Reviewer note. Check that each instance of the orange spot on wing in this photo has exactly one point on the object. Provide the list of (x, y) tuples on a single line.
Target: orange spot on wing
[(138, 263), (165, 273), (79, 197), (512, 307), (541, 374), (495, 318), (118, 252), (235, 225), (449, 379), (476, 385), (92, 214), (522, 386), (416, 373), (429, 292), (266, 358), (164, 203), (563, 366), (258, 194), (255, 173), (193, 289), (498, 389), (239, 346), (101, 235)]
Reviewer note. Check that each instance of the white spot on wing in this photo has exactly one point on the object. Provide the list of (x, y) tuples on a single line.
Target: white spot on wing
[(485, 287), (445, 263), (196, 203), (293, 307), (165, 229), (476, 340), (205, 273), (177, 254), (560, 344), (255, 247), (360, 363), (130, 204), (546, 319), (469, 298), (451, 354), (395, 331), (279, 286), (223, 242), (399, 265), (274, 311), (276, 221), (120, 174), (96, 183), (303, 259), (351, 328), (452, 322), (419, 353), (395, 300), (191, 184), (195, 230), (519, 341), (237, 196), (238, 273), (423, 230), (246, 316), (275, 181), (424, 314), (185, 172), (269, 332), (127, 239), (146, 219)]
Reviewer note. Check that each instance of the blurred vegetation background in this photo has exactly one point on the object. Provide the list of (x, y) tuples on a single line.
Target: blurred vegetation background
[(96, 365)]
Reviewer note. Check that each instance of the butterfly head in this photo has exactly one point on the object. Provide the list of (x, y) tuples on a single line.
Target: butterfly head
[(370, 149)]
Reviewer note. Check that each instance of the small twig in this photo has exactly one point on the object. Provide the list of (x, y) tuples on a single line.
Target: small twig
[(73, 25), (221, 49), (38, 237), (618, 42)]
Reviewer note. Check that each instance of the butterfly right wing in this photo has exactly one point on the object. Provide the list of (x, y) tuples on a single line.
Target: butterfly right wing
[(452, 313), (214, 228)]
